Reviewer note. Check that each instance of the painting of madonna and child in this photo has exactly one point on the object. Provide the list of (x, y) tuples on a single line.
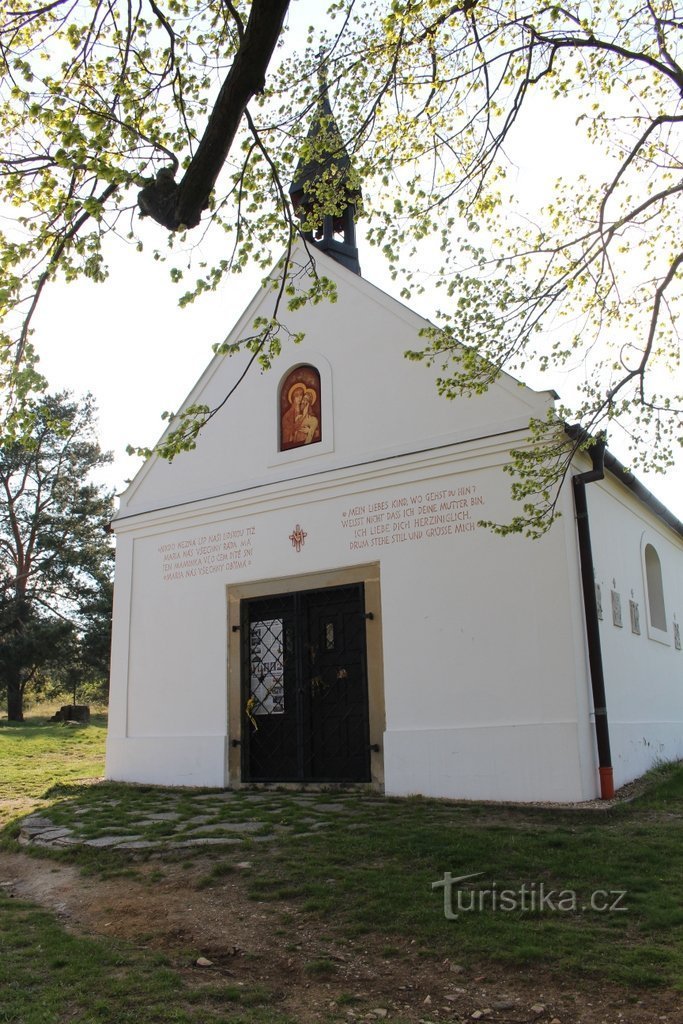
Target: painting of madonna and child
[(300, 414)]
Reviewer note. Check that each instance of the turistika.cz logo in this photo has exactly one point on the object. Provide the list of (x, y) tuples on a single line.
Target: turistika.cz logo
[(530, 898)]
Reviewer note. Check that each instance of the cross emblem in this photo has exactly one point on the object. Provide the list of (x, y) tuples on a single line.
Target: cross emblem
[(297, 537)]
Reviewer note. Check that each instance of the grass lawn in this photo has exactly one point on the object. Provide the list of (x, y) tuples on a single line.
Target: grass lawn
[(37, 754), (378, 877), (90, 981), (366, 863)]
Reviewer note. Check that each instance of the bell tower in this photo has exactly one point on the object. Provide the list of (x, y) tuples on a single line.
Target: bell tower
[(324, 193)]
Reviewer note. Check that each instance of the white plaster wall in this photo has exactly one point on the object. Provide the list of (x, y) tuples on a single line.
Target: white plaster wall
[(515, 762), (484, 676), (643, 677), (486, 687), (378, 404), (492, 712)]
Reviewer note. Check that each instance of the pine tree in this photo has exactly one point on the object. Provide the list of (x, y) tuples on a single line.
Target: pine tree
[(55, 553)]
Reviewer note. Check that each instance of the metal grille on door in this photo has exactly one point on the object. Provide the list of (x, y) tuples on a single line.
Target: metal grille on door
[(305, 693)]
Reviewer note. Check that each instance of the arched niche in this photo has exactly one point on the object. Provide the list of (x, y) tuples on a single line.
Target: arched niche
[(300, 408), (655, 597), (655, 588)]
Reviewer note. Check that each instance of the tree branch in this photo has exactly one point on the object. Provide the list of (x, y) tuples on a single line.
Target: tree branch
[(654, 319), (593, 43), (53, 261), (178, 205), (637, 146)]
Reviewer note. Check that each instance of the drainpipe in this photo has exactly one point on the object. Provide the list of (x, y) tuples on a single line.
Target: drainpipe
[(597, 455)]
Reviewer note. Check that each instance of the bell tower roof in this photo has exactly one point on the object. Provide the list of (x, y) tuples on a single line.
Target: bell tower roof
[(323, 192)]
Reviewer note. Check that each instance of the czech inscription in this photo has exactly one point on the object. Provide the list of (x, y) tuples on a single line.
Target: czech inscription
[(442, 512), (211, 553)]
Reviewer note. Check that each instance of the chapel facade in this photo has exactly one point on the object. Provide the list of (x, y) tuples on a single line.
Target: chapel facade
[(309, 598)]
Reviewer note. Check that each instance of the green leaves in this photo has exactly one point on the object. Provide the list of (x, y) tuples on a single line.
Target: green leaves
[(429, 99), (55, 556)]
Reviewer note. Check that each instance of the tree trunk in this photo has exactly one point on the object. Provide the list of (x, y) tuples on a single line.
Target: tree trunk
[(14, 621), (15, 695)]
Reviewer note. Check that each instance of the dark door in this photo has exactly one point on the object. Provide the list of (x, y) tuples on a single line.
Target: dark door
[(305, 697)]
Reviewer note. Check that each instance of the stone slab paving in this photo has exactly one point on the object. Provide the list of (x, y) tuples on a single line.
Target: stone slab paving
[(229, 826), (103, 841), (183, 829), (49, 835)]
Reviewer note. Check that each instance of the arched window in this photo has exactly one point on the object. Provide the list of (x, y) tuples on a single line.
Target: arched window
[(655, 589), (300, 408)]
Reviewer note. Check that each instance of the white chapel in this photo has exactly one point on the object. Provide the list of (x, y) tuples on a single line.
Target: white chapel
[(308, 597)]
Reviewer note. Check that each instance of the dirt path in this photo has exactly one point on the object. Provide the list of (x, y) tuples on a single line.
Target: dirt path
[(276, 946)]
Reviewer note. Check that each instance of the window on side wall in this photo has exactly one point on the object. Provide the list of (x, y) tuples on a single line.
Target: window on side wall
[(654, 592)]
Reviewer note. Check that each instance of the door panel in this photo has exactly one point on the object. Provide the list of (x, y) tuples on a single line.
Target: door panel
[(270, 697), (336, 679), (305, 697)]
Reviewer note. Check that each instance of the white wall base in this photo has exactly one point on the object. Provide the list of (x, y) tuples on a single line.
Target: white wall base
[(524, 763), (521, 763), (168, 760), (638, 746)]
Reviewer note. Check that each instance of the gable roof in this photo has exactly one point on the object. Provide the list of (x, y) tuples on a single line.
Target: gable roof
[(362, 338)]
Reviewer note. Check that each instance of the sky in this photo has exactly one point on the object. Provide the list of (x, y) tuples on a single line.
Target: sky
[(129, 344)]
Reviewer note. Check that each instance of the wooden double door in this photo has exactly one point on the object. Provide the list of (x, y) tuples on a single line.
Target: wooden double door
[(304, 687)]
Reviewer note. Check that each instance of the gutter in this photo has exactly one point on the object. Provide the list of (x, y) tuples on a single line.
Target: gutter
[(579, 435), (626, 477), (597, 455)]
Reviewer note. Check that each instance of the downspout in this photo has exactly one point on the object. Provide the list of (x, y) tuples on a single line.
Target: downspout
[(597, 455)]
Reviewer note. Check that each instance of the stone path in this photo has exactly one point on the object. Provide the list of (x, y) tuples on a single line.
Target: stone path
[(225, 818)]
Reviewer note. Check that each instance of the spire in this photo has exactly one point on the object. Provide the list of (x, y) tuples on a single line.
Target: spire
[(323, 178)]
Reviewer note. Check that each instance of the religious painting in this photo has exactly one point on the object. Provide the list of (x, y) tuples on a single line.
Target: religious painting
[(300, 413)]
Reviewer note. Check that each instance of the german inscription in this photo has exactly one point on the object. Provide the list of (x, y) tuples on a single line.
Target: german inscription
[(211, 553), (414, 517)]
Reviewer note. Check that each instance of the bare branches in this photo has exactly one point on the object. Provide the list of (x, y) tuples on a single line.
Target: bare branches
[(632, 155), (640, 370), (60, 245)]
